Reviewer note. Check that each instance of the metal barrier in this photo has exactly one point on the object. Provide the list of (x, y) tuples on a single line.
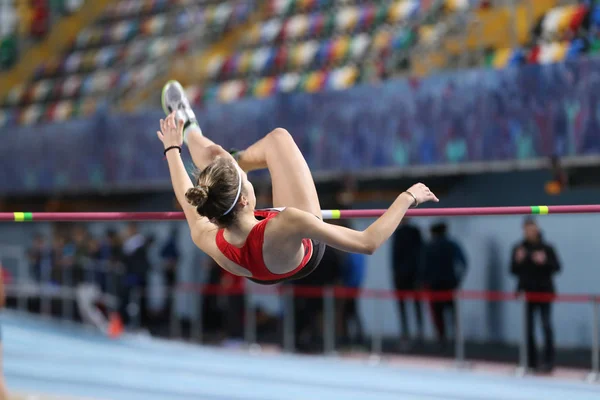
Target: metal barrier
[(329, 295), (59, 291), (48, 294)]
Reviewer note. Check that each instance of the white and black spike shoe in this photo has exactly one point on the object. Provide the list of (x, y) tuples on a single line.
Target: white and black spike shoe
[(173, 98)]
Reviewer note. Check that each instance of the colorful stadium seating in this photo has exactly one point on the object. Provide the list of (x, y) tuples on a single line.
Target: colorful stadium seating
[(563, 33), (295, 46), (303, 45), (314, 45), (24, 20), (122, 51)]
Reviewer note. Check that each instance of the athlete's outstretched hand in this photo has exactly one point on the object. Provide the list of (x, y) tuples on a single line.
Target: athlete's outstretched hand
[(422, 194), (171, 131)]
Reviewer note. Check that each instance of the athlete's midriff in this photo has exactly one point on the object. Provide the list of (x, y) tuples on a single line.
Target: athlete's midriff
[(250, 255)]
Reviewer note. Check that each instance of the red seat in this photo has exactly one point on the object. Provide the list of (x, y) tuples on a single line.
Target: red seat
[(40, 21)]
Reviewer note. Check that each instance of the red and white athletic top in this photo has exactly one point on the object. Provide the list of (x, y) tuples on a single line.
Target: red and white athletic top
[(250, 255)]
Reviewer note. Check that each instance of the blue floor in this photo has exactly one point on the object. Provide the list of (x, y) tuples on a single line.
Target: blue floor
[(45, 358)]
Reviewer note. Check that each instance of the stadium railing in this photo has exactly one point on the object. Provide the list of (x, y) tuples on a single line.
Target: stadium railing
[(59, 299)]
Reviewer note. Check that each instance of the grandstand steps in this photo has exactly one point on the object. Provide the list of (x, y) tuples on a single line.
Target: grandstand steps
[(423, 64), (492, 28), (487, 29), (191, 69), (59, 38)]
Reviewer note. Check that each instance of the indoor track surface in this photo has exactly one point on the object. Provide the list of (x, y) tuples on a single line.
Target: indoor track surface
[(68, 362)]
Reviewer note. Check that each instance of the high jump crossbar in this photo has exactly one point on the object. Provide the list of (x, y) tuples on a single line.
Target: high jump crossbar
[(327, 214)]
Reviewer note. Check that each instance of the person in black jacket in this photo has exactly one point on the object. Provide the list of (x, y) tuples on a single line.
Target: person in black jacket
[(137, 265), (444, 265), (407, 246), (534, 262), (308, 311)]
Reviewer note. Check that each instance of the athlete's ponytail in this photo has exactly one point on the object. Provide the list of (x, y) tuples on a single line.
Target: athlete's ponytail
[(197, 196), (217, 192)]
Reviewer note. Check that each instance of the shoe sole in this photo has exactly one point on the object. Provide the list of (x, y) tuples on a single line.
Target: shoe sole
[(162, 96)]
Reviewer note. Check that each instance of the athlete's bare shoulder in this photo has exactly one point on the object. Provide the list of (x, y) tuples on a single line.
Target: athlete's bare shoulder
[(203, 233)]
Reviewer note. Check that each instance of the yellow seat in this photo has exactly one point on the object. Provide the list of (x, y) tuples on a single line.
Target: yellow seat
[(501, 57), (24, 14), (425, 63), (492, 28)]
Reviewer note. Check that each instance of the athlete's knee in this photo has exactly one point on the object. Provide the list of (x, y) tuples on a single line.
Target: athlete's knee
[(280, 135)]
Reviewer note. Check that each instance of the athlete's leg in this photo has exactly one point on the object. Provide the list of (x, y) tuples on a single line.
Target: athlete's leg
[(202, 149), (292, 182)]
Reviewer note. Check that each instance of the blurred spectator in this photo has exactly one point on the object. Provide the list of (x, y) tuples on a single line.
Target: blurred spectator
[(407, 246), (67, 264), (308, 311), (93, 249), (81, 239), (58, 259), (444, 267), (111, 255), (135, 256), (233, 304), (534, 262), (95, 268), (40, 261), (212, 318), (223, 315), (170, 257), (169, 254), (137, 265), (112, 247), (353, 275)]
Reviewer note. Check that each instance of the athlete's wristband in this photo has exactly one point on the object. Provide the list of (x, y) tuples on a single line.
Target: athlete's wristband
[(415, 201), (171, 148)]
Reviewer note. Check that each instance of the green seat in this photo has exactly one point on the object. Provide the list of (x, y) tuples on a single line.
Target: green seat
[(58, 6), (65, 7), (8, 51)]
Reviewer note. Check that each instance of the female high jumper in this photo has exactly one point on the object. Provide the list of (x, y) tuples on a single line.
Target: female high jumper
[(284, 243)]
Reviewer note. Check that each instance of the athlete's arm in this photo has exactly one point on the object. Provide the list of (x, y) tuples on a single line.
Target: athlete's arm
[(305, 225), (171, 134)]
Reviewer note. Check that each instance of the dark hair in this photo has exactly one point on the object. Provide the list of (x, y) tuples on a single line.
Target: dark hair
[(529, 220), (439, 229), (215, 191)]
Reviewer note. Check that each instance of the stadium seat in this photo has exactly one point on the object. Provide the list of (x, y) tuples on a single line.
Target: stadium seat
[(562, 34), (116, 54), (300, 45), (304, 45), (8, 51)]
